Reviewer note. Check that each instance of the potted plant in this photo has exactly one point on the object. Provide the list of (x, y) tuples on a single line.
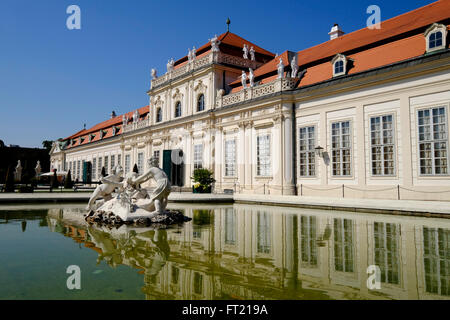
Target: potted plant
[(203, 180)]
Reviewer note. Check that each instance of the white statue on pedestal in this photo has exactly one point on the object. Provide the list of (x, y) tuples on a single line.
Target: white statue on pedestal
[(135, 116), (194, 53), (154, 74), (38, 168), (252, 54), (18, 172), (244, 79), (170, 65), (107, 187), (280, 68), (245, 49), (215, 44), (294, 67), (251, 77)]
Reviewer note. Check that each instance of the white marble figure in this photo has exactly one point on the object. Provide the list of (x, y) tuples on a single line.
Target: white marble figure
[(194, 53), (244, 79), (18, 172), (251, 77), (38, 168), (215, 44), (252, 54), (189, 55), (245, 49), (154, 74), (104, 190), (280, 68), (124, 120), (170, 64), (294, 67), (135, 116)]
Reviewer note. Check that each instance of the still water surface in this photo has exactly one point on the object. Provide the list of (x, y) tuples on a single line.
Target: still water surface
[(225, 252)]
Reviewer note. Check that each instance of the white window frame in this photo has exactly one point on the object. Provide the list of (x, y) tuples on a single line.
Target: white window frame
[(382, 145), (340, 148), (435, 27), (227, 159), (264, 169), (181, 109), (157, 155), (127, 163), (337, 58), (94, 168), (140, 162), (198, 156), (307, 151), (432, 141)]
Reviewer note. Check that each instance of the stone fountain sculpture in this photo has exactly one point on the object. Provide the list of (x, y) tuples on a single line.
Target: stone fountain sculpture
[(125, 202)]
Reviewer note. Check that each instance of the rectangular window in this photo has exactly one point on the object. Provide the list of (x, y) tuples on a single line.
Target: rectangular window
[(127, 163), (341, 148), (100, 159), (307, 155), (230, 158), (113, 159), (198, 156), (94, 169), (308, 240), (106, 165), (156, 156), (386, 249), (436, 260), (343, 245), (78, 169), (263, 166), (264, 232), (382, 145), (140, 162), (433, 141)]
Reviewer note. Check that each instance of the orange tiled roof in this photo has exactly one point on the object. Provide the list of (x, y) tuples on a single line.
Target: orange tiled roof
[(232, 40), (399, 38), (105, 126)]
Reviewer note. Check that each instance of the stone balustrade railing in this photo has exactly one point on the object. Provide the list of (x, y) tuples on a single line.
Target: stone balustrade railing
[(210, 58), (136, 125), (250, 93)]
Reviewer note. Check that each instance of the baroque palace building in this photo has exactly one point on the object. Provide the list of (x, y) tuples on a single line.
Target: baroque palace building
[(362, 115)]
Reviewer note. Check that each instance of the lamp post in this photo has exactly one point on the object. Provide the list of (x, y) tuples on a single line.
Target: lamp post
[(319, 151)]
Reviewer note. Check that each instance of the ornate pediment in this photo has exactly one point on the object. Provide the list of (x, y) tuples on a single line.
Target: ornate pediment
[(200, 86)]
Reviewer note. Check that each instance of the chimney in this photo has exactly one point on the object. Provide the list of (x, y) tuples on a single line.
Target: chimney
[(113, 114), (336, 32)]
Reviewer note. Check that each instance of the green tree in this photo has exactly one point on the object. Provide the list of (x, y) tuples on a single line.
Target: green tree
[(54, 180), (47, 144), (135, 168), (103, 173)]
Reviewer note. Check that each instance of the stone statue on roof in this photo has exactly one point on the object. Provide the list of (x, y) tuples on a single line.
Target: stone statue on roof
[(170, 64), (194, 53), (154, 74), (280, 68), (244, 79), (189, 55), (245, 49), (135, 116), (251, 77), (252, 53), (215, 44), (124, 120), (294, 67)]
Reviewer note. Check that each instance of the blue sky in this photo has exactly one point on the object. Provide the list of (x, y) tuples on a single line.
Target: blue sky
[(53, 80)]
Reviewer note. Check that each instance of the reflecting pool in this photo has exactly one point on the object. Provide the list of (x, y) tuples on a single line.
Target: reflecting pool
[(225, 252)]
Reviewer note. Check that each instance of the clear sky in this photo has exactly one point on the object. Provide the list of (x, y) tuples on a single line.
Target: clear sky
[(53, 80)]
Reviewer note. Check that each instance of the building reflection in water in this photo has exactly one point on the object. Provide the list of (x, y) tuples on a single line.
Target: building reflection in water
[(258, 252)]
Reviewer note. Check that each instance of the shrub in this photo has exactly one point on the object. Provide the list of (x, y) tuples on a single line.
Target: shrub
[(68, 184), (54, 180), (203, 179), (26, 189), (9, 181)]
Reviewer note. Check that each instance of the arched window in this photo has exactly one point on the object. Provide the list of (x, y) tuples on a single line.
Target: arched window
[(436, 36), (435, 40), (178, 109), (201, 103), (158, 115), (339, 64), (339, 67)]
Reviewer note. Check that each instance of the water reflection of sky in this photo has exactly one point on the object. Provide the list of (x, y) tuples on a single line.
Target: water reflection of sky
[(232, 252)]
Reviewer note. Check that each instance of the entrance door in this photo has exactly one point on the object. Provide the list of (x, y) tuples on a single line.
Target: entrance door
[(173, 166)]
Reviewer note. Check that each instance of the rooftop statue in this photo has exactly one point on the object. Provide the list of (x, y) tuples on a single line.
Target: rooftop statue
[(244, 79), (154, 74), (170, 65), (245, 49), (294, 67), (194, 53), (215, 44), (280, 68), (251, 77), (252, 54), (131, 203)]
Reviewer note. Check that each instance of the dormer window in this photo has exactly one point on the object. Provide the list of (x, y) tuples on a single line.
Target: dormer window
[(178, 109), (339, 63), (158, 115), (436, 36)]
